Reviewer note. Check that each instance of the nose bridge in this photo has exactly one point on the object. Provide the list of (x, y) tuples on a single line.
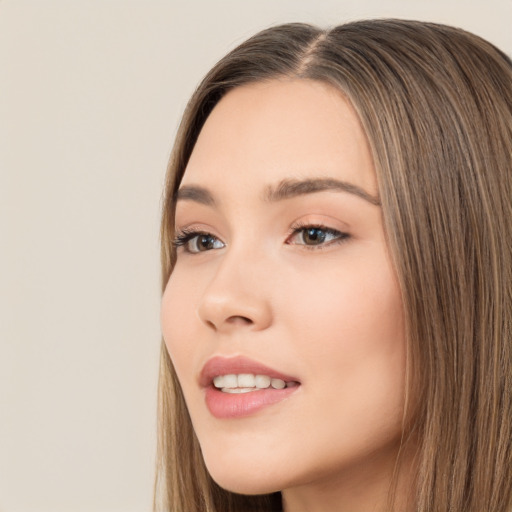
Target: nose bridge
[(238, 293)]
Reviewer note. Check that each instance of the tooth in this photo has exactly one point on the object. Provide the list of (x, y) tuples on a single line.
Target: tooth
[(230, 381), (218, 381), (277, 383), (238, 390), (262, 381), (292, 384), (246, 380)]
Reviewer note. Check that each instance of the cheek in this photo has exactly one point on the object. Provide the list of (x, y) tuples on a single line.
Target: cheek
[(177, 315), (350, 329), (345, 309)]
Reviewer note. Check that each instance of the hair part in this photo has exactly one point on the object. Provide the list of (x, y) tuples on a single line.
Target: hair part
[(436, 105)]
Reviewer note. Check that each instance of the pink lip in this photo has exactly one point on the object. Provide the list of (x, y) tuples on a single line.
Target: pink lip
[(227, 405), (228, 365)]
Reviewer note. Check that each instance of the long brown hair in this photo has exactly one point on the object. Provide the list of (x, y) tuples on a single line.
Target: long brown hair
[(436, 105)]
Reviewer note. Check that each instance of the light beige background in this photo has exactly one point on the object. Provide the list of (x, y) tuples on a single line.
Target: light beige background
[(91, 92)]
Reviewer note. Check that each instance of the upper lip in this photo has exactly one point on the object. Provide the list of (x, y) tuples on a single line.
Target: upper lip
[(220, 365)]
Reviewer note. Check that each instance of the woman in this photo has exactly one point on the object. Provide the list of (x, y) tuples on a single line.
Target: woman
[(336, 251)]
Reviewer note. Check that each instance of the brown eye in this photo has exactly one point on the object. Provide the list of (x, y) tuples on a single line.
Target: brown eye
[(197, 242), (202, 243), (316, 236)]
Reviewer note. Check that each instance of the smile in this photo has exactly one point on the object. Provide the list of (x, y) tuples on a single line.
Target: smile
[(247, 382), (236, 387)]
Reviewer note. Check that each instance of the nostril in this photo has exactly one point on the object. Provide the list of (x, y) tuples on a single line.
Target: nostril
[(211, 324), (233, 321), (240, 320)]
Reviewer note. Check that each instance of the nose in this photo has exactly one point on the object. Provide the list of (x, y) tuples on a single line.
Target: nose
[(238, 295)]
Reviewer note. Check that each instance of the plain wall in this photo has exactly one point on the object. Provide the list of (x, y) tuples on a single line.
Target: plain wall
[(91, 92)]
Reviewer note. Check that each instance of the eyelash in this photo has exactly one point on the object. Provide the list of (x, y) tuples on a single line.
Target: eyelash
[(183, 237)]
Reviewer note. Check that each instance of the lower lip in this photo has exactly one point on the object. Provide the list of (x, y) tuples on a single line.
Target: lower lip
[(238, 405)]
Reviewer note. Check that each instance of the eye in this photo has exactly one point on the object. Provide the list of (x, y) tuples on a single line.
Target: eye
[(194, 241), (316, 236)]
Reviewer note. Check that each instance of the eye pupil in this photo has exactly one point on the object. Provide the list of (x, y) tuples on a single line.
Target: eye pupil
[(313, 236), (205, 242)]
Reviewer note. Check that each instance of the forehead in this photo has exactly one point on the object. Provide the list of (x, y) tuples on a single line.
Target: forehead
[(268, 131)]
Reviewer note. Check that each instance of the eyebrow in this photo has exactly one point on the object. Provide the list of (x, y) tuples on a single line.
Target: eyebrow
[(285, 189), (194, 193), (289, 188)]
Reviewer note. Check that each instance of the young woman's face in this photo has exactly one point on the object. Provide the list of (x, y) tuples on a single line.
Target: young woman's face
[(283, 273)]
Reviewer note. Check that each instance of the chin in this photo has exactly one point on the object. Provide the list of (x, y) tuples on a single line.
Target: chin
[(248, 484), (243, 478)]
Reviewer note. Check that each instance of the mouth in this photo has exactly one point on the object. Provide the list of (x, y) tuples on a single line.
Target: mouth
[(236, 387), (248, 382)]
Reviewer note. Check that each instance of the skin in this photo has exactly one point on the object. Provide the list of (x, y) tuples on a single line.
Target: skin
[(329, 314)]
